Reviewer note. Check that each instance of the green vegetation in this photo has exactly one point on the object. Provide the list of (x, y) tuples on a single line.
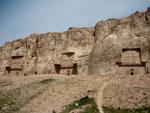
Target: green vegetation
[(11, 101), (80, 103), (140, 110), (46, 81), (88, 105)]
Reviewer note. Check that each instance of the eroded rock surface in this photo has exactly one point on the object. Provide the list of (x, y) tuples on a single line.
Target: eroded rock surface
[(111, 47), (121, 46), (50, 53), (114, 47)]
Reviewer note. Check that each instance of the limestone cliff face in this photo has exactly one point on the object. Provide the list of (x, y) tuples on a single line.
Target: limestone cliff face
[(39, 53), (114, 46), (122, 46)]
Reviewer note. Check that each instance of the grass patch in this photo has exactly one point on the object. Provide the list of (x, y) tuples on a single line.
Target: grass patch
[(81, 102), (45, 81), (140, 110), (8, 101), (92, 107)]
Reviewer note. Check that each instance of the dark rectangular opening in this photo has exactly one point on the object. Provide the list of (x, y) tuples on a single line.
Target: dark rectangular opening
[(8, 69), (57, 68), (66, 67), (16, 57), (68, 54), (75, 69), (133, 65), (128, 49)]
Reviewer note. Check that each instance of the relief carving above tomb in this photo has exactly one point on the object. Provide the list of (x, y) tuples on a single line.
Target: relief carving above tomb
[(131, 63)]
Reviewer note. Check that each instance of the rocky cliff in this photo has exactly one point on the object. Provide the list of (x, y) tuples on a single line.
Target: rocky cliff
[(122, 46), (113, 46), (50, 53)]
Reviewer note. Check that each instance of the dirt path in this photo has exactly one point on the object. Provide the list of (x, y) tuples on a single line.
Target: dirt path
[(99, 98), (100, 93)]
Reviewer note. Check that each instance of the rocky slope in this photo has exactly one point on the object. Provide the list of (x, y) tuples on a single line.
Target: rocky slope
[(61, 68), (48, 93)]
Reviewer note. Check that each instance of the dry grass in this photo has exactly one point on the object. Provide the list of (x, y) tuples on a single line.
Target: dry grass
[(11, 101)]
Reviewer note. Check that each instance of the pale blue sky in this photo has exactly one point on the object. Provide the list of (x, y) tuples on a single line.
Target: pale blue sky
[(20, 18)]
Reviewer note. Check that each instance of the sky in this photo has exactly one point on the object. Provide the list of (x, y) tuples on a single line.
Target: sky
[(20, 18)]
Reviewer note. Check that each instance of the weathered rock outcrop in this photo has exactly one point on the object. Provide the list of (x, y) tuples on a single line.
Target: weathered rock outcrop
[(49, 53), (122, 46), (114, 46)]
